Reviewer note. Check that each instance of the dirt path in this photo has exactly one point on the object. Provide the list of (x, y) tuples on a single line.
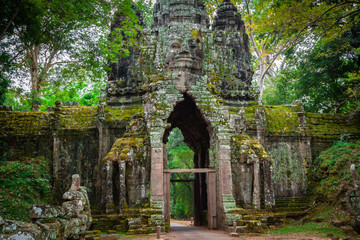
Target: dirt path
[(182, 230)]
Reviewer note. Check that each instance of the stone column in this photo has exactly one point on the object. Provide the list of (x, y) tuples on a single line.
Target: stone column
[(226, 201), (157, 175), (256, 193), (122, 194), (157, 166), (109, 188), (225, 168), (268, 184)]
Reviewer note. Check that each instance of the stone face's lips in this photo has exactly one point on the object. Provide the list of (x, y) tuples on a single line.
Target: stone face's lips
[(183, 59)]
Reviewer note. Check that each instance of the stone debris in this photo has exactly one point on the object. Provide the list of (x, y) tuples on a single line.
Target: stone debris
[(353, 199), (69, 221)]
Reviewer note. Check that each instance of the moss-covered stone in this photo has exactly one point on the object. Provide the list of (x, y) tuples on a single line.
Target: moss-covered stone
[(115, 115), (331, 126), (120, 151), (78, 118), (243, 147), (14, 123), (278, 120)]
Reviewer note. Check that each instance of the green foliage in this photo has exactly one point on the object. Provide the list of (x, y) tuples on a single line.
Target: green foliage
[(324, 78), (21, 185), (4, 84), (122, 40), (58, 41), (276, 27), (321, 229), (330, 176), (180, 156), (79, 89), (3, 152), (286, 167), (146, 10)]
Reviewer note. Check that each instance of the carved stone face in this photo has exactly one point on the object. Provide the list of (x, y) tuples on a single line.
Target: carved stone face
[(185, 53)]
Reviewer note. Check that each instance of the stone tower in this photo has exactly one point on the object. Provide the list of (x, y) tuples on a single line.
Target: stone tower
[(190, 76)]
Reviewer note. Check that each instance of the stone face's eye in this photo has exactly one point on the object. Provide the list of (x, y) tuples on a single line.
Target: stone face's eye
[(192, 45), (175, 45)]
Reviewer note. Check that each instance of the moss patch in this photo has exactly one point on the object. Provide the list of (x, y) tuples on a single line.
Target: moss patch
[(25, 123), (278, 120), (119, 115), (243, 147), (121, 148), (331, 126), (313, 228), (77, 117)]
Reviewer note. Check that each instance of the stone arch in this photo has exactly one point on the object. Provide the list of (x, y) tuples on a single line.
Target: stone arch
[(196, 131)]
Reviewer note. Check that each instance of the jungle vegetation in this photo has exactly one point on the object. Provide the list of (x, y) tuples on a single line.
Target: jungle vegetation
[(59, 50)]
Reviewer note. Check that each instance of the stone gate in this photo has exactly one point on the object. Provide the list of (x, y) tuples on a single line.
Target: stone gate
[(187, 75)]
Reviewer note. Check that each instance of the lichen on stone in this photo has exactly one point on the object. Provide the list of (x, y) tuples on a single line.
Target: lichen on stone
[(123, 148), (78, 117), (245, 149), (278, 120)]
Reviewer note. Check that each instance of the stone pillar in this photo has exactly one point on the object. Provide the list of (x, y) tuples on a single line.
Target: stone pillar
[(256, 193), (109, 188), (260, 128), (268, 184), (122, 194), (226, 201), (157, 175), (225, 168), (104, 147), (157, 166), (57, 176)]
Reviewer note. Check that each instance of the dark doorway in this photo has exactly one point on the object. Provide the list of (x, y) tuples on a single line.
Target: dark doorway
[(188, 118)]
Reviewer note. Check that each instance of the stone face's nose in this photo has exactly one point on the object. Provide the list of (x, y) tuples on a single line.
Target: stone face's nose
[(184, 50)]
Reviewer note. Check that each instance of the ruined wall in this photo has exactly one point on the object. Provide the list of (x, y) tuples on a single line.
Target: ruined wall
[(26, 134), (76, 139), (293, 139), (73, 139)]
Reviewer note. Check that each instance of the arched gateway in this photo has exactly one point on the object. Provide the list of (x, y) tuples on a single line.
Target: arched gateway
[(190, 77)]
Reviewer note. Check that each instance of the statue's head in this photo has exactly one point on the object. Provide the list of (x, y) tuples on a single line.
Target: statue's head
[(185, 51)]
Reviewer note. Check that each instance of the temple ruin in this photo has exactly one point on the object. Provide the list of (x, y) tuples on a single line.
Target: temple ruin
[(195, 77)]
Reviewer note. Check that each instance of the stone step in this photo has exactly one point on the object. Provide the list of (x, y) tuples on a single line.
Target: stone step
[(292, 202)]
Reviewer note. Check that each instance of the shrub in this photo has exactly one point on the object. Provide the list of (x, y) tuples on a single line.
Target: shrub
[(330, 176), (21, 185)]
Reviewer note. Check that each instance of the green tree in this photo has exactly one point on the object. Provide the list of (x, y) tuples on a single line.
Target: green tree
[(180, 156), (329, 175), (275, 26), (323, 77), (46, 38)]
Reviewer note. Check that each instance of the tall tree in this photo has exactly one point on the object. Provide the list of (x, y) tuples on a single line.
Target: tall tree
[(325, 77), (275, 26), (46, 37)]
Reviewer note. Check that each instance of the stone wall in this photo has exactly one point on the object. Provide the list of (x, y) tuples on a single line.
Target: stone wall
[(73, 139), (76, 139), (293, 139)]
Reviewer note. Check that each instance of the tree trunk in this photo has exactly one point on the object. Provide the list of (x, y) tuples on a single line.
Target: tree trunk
[(33, 54)]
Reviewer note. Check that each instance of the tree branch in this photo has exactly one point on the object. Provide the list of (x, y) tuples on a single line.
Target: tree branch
[(11, 20)]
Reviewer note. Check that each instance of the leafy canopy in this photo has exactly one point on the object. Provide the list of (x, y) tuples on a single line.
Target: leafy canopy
[(22, 184), (180, 156)]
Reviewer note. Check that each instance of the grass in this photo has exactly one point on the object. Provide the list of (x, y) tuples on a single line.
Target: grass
[(313, 228)]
